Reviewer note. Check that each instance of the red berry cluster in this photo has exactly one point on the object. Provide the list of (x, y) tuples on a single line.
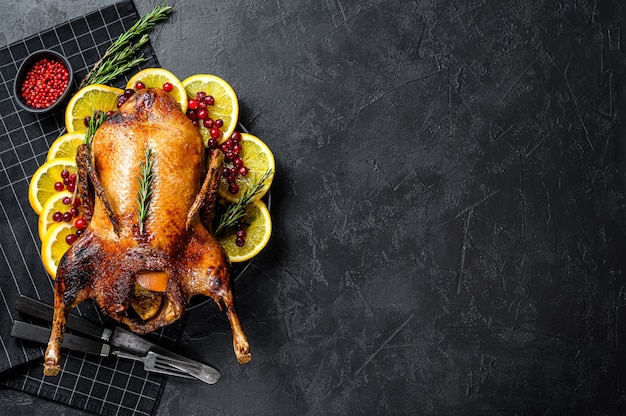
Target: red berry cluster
[(234, 166), (240, 235), (124, 97), (198, 112), (67, 180), (45, 82), (72, 213), (167, 87)]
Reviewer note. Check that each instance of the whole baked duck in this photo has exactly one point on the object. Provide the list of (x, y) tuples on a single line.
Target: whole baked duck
[(148, 187)]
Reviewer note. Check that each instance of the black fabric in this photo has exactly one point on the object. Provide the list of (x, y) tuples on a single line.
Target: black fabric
[(105, 386)]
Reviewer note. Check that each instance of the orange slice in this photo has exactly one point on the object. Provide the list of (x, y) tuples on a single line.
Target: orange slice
[(259, 159), (156, 78), (41, 185), (88, 100), (258, 228), (226, 107)]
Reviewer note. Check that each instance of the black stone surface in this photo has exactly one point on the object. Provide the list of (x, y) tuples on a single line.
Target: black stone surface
[(449, 228)]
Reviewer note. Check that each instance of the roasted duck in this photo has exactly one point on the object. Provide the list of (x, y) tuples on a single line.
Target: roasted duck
[(121, 246)]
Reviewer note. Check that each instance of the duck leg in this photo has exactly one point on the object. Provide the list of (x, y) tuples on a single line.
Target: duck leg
[(209, 275)]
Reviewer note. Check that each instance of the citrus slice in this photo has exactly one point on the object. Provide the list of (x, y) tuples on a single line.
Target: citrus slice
[(87, 101), (65, 145), (156, 78), (258, 158), (41, 185), (258, 231), (225, 108), (56, 203), (54, 246), (151, 280)]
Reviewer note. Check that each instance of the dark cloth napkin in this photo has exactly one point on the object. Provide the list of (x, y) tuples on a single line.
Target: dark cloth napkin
[(102, 385)]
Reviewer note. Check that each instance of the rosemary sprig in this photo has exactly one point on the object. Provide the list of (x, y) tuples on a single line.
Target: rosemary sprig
[(120, 56), (95, 121), (145, 188), (235, 212)]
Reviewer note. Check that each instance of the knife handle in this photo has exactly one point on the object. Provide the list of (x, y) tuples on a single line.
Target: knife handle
[(41, 310), (36, 333)]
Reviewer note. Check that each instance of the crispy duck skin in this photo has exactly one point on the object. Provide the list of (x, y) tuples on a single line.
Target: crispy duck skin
[(104, 262)]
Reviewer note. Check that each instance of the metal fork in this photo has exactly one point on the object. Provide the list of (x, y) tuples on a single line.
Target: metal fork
[(155, 362)]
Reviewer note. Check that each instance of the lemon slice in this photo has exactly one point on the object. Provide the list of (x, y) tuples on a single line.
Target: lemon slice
[(156, 78), (258, 158), (258, 231), (88, 100), (41, 185), (53, 204), (65, 145), (226, 107), (54, 246)]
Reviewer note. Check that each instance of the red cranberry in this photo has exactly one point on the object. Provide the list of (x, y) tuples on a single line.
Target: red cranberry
[(202, 114), (139, 85), (58, 186), (71, 239), (168, 87), (57, 217), (215, 133), (80, 223), (192, 104)]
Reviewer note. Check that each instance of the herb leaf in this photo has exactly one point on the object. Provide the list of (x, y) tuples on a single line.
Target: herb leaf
[(235, 212), (120, 56), (95, 121), (145, 188)]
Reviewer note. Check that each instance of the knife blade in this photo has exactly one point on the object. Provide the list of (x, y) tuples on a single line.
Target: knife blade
[(118, 337)]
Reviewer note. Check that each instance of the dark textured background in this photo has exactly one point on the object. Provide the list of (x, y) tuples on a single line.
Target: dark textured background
[(448, 208)]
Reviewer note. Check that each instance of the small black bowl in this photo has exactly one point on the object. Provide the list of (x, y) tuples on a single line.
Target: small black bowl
[(26, 66)]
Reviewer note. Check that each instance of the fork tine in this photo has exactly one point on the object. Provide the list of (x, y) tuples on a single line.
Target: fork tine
[(171, 372), (151, 363), (172, 362), (199, 371)]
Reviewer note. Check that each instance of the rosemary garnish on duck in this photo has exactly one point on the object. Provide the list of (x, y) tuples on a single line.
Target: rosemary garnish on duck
[(95, 121), (237, 211), (145, 188)]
